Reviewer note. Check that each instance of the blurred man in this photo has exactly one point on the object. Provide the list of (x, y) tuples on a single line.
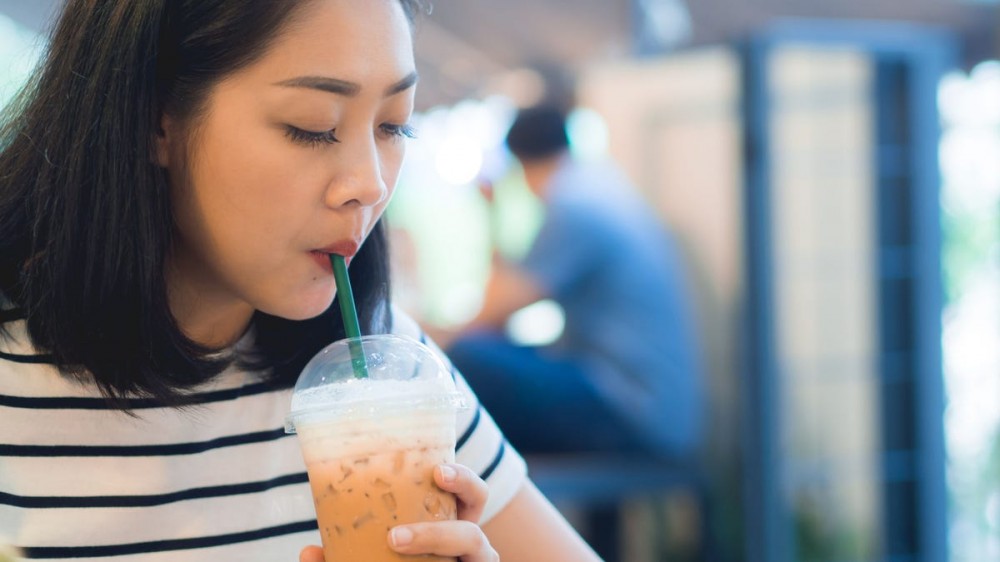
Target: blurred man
[(624, 375)]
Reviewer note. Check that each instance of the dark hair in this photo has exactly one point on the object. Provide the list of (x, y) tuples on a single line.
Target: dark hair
[(538, 132), (85, 215)]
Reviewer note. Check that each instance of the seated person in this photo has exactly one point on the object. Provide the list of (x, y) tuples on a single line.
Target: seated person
[(624, 376)]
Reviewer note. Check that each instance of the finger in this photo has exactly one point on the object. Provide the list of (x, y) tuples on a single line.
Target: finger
[(463, 539), (470, 490), (311, 554)]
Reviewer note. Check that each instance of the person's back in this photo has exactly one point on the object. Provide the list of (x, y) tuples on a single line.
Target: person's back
[(624, 375), (606, 259)]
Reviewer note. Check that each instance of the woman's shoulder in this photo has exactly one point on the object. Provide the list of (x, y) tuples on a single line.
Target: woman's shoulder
[(15, 343), (402, 324), (26, 372)]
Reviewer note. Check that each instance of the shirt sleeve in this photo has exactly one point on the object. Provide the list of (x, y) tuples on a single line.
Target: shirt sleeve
[(480, 445)]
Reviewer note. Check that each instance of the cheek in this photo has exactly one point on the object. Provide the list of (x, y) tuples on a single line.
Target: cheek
[(392, 162), (247, 168), (187, 206), (255, 183)]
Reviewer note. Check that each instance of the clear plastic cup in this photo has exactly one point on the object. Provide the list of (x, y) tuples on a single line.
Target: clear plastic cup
[(370, 444)]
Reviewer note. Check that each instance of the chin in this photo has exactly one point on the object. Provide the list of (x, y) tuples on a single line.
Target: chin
[(302, 308)]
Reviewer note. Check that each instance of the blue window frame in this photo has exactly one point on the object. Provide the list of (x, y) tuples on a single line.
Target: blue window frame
[(902, 67)]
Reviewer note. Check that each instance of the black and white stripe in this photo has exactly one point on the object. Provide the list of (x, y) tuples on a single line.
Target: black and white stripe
[(218, 480), (88, 403)]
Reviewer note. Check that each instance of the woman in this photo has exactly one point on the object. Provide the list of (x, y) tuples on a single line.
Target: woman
[(171, 184)]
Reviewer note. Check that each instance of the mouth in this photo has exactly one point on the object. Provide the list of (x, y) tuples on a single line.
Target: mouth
[(345, 248)]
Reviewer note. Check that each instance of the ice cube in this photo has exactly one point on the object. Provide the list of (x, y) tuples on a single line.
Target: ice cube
[(362, 519), (390, 501)]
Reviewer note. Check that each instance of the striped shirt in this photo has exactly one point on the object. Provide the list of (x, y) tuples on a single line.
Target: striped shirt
[(218, 481)]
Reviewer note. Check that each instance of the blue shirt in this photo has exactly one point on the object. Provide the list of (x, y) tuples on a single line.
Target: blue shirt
[(605, 258)]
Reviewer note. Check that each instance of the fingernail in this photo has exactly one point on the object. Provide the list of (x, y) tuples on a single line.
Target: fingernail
[(448, 474), (401, 536)]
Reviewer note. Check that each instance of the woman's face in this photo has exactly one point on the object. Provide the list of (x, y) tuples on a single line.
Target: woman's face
[(294, 158)]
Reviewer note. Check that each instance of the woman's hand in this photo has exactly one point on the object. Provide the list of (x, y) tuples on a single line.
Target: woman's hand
[(462, 538)]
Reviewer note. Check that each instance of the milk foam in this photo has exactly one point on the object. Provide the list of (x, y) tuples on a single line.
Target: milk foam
[(360, 398)]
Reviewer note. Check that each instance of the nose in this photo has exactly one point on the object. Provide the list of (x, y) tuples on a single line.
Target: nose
[(359, 179)]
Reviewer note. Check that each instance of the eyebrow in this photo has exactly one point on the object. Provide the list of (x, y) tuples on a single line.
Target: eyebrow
[(344, 87)]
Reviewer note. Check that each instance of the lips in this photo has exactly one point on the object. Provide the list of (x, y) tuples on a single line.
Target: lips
[(346, 248)]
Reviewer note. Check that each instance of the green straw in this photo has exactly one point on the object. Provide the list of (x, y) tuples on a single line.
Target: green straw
[(349, 314)]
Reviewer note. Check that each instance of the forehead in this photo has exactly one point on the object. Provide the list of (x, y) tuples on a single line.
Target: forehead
[(366, 41)]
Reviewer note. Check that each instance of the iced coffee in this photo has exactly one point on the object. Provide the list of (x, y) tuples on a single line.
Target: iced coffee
[(370, 445)]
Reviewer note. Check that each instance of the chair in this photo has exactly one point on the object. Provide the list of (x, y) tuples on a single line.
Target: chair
[(598, 483)]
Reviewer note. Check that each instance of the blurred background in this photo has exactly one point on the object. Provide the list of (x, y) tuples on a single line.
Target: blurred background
[(832, 173)]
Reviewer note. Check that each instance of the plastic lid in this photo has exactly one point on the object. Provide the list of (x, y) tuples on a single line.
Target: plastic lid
[(402, 372)]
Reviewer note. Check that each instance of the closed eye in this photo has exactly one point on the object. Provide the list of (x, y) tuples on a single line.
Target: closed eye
[(399, 131), (311, 138)]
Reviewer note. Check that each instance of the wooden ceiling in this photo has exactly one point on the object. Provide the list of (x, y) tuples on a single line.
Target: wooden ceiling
[(464, 43), (467, 47)]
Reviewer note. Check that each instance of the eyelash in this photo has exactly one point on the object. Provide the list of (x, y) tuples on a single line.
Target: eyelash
[(313, 138), (400, 131)]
